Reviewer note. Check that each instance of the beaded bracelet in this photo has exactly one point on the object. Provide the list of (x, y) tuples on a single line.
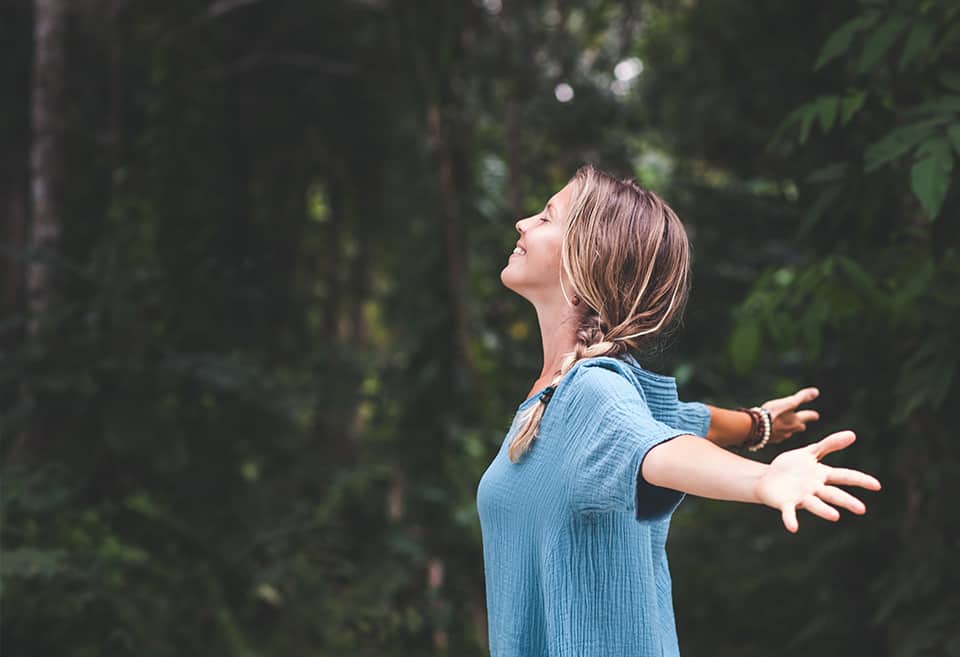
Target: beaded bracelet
[(761, 425), (767, 428), (755, 434)]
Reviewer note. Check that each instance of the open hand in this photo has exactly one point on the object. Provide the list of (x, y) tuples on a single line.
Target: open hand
[(797, 480), (787, 420)]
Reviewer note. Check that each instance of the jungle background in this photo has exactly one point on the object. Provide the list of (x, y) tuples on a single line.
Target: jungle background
[(255, 353)]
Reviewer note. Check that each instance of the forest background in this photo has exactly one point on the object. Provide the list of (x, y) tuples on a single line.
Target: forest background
[(255, 354)]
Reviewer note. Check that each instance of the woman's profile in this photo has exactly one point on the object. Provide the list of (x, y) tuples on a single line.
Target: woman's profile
[(575, 506)]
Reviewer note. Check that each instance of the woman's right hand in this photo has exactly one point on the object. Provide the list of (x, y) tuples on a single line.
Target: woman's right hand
[(798, 480), (787, 420)]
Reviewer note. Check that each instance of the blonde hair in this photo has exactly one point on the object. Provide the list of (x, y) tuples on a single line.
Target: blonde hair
[(627, 254)]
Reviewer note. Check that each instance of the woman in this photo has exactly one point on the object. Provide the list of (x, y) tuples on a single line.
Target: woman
[(575, 507)]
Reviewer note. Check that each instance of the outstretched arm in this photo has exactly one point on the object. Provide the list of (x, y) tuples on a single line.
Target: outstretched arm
[(794, 480), (729, 428)]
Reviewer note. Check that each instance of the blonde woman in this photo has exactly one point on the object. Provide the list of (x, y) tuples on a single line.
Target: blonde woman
[(575, 507)]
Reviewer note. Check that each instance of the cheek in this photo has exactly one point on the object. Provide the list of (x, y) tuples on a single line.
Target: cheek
[(551, 253)]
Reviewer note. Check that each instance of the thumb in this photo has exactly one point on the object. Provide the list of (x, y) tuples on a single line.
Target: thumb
[(805, 395), (833, 443), (789, 515)]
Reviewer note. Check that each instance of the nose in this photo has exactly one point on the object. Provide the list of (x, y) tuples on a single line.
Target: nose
[(519, 225)]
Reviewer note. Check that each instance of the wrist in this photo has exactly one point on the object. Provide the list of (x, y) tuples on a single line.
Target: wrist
[(761, 428), (767, 429), (757, 488), (728, 427)]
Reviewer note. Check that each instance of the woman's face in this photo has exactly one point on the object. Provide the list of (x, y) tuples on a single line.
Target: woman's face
[(533, 269)]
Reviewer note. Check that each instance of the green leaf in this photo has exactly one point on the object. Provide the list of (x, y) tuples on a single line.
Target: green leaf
[(840, 39), (930, 176), (781, 129), (912, 284), (896, 143), (803, 117), (827, 107), (819, 207), (951, 80), (745, 344), (830, 173), (879, 42), (917, 41), (953, 133), (806, 121), (850, 105), (27, 563), (924, 379), (865, 283), (941, 108)]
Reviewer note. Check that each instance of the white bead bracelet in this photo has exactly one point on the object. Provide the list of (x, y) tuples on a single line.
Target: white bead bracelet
[(767, 428)]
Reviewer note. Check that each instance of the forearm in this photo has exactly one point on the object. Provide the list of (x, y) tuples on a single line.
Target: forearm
[(728, 428), (692, 465)]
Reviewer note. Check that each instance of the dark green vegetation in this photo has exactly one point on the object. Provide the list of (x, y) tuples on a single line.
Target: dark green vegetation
[(251, 383)]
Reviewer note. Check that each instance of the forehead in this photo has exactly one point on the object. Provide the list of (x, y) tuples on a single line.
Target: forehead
[(557, 204)]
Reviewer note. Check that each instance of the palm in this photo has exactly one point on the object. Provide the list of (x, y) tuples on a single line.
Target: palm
[(792, 476), (797, 479)]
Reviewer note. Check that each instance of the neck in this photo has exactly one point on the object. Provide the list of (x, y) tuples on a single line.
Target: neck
[(558, 335)]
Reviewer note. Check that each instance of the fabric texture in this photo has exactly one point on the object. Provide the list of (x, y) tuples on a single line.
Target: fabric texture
[(574, 539)]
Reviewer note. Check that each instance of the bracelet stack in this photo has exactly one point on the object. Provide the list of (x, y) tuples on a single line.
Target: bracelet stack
[(761, 426)]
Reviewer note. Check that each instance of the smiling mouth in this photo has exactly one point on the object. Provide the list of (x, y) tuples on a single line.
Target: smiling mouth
[(518, 251)]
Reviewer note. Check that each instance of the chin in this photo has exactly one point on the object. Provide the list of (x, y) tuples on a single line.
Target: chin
[(507, 279), (513, 285)]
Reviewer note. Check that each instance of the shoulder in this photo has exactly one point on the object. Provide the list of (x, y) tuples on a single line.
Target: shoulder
[(598, 382)]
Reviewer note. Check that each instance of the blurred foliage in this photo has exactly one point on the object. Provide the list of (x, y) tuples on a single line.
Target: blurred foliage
[(282, 357)]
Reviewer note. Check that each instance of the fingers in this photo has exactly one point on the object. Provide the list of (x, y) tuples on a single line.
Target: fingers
[(779, 438), (842, 498), (818, 507), (818, 504), (847, 477), (833, 443), (805, 395), (790, 402), (805, 416), (789, 515)]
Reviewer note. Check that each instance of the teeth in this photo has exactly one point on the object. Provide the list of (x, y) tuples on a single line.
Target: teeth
[(519, 251)]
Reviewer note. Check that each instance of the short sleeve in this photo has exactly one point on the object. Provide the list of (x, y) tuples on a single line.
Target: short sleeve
[(613, 430), (694, 418)]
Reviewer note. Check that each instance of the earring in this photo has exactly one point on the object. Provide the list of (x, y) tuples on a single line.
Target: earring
[(575, 300)]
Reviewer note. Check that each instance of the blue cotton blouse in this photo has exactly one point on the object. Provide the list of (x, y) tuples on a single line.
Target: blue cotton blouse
[(574, 540)]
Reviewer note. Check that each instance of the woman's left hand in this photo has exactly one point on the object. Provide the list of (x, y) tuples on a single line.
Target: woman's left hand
[(798, 480), (787, 420)]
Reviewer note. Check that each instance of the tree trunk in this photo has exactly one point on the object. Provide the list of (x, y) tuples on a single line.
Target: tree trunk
[(514, 166), (45, 157), (43, 234), (451, 165), (333, 256)]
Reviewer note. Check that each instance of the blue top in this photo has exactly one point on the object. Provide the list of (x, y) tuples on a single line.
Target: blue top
[(573, 538)]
